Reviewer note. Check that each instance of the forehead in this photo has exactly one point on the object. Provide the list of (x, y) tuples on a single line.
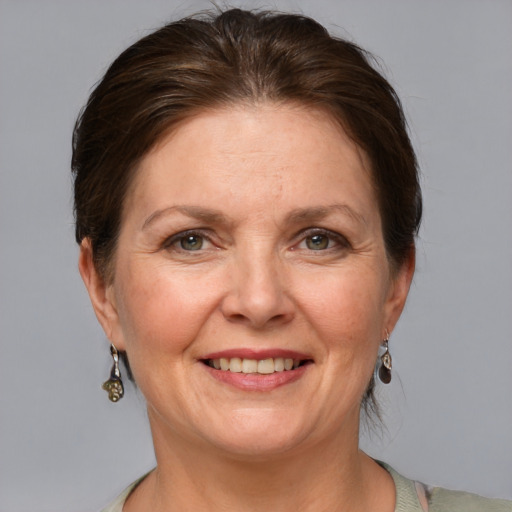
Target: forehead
[(268, 126), (280, 150)]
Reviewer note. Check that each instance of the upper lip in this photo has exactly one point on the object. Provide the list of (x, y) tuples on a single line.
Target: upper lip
[(258, 354)]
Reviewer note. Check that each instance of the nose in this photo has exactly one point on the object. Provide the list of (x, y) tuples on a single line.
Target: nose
[(258, 295)]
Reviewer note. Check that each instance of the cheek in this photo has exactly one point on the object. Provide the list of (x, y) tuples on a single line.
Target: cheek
[(349, 307), (160, 313), (347, 313)]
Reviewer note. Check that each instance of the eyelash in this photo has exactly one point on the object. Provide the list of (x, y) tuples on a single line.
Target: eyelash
[(339, 240), (181, 236)]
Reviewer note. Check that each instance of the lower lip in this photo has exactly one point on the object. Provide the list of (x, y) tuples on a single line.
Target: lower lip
[(256, 381)]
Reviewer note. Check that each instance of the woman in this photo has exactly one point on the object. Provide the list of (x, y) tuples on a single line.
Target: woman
[(246, 202)]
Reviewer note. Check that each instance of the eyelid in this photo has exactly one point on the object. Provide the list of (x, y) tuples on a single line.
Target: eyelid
[(206, 234), (340, 240), (173, 239)]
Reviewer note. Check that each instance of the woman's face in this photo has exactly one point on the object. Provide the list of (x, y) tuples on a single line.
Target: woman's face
[(251, 234)]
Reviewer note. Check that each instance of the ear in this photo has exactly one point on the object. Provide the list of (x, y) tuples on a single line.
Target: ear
[(101, 295), (401, 280)]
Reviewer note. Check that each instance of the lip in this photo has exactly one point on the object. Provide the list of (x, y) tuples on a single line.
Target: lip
[(257, 382), (258, 354), (252, 381)]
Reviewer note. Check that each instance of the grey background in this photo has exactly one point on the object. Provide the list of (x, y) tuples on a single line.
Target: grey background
[(63, 446)]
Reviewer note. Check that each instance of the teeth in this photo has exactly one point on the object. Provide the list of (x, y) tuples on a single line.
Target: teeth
[(278, 364), (249, 366), (235, 364), (264, 366)]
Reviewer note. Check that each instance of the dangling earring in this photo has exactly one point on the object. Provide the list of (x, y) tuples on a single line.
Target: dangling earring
[(114, 385), (385, 363)]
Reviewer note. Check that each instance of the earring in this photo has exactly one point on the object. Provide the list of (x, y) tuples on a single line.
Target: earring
[(385, 363), (114, 385)]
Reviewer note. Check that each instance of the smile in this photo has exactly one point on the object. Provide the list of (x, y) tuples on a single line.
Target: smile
[(259, 366)]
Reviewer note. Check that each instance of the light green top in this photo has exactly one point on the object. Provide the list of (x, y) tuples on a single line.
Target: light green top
[(409, 498)]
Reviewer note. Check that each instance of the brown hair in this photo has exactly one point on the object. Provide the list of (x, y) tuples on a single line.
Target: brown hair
[(215, 60)]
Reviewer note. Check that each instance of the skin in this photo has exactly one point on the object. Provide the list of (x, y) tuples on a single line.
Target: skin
[(268, 179)]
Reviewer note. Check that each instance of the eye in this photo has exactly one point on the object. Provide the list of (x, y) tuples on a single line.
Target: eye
[(322, 240), (188, 241), (192, 242), (317, 242)]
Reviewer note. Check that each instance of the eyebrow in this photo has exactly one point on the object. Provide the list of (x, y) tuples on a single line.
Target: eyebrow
[(298, 215), (196, 212), (321, 212)]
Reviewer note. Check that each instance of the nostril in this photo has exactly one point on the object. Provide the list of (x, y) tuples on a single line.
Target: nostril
[(257, 308), (277, 318), (237, 317), (241, 318)]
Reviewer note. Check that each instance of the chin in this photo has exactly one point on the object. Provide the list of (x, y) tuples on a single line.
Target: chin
[(258, 434)]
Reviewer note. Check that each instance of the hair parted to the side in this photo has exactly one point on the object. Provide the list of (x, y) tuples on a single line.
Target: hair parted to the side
[(219, 59)]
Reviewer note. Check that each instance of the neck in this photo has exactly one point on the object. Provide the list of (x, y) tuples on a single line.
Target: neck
[(330, 476)]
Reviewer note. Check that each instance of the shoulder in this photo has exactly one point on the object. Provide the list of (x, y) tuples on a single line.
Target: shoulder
[(117, 504), (444, 500), (415, 497), (410, 497)]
